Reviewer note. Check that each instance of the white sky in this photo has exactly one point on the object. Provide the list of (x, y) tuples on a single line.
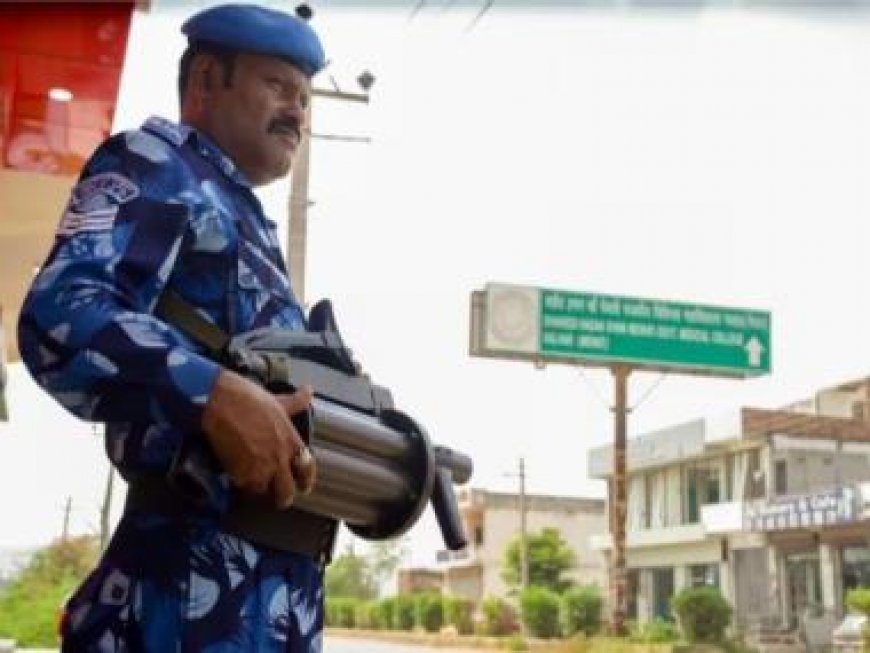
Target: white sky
[(715, 156)]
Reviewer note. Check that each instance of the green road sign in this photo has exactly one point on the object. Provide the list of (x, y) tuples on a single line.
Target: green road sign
[(557, 325)]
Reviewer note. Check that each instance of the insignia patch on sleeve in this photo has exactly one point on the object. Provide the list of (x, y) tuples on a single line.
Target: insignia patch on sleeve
[(95, 202)]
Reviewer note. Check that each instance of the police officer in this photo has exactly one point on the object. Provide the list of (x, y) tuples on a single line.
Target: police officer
[(170, 207)]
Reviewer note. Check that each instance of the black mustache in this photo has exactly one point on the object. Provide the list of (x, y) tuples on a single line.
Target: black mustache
[(282, 123)]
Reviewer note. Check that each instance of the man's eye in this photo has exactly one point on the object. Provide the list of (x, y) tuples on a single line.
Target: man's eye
[(304, 100), (275, 85)]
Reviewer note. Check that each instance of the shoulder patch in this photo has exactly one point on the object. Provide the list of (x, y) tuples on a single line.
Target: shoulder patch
[(94, 203), (104, 187)]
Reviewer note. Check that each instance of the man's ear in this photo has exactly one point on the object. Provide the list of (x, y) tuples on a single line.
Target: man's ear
[(203, 77)]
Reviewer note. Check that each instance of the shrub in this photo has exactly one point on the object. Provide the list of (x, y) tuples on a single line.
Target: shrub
[(516, 643), (859, 600), (403, 616), (457, 613), (341, 612), (30, 603), (580, 611), (540, 611), (368, 615), (499, 617), (704, 614), (386, 610), (429, 612), (657, 631)]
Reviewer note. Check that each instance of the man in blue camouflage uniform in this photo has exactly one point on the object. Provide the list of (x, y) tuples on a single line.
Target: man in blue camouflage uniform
[(170, 207)]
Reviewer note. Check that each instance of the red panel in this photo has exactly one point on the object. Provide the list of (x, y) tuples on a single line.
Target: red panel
[(79, 47)]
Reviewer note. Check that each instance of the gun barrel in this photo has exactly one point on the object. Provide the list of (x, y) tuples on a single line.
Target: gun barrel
[(349, 429), (359, 476)]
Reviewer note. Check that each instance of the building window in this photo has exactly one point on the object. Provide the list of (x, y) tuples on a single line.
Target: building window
[(663, 590), (755, 487), (729, 477), (632, 589), (704, 575), (780, 477), (702, 487)]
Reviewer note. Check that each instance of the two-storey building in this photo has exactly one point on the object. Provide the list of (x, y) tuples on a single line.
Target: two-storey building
[(770, 506), (493, 520)]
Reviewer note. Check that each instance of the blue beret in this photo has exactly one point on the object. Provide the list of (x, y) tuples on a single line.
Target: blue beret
[(258, 29)]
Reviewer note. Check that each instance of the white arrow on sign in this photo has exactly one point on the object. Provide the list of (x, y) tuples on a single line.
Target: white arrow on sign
[(753, 349)]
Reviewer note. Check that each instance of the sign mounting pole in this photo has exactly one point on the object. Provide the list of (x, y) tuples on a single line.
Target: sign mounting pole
[(618, 501)]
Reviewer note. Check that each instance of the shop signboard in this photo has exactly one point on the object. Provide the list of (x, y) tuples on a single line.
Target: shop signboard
[(826, 508)]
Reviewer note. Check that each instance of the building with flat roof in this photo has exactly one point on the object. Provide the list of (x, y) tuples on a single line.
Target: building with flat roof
[(492, 521), (770, 506)]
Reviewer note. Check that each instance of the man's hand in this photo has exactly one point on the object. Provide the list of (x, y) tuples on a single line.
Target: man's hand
[(252, 436)]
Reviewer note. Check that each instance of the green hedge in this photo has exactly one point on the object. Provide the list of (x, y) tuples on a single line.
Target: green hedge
[(704, 614), (458, 613), (539, 608), (368, 615), (859, 600), (403, 617), (657, 631), (499, 617), (429, 612), (342, 612), (580, 611)]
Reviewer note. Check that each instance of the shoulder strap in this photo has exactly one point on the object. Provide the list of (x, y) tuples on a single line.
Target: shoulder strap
[(179, 313)]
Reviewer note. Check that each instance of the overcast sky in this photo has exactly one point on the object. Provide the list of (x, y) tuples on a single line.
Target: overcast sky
[(715, 156)]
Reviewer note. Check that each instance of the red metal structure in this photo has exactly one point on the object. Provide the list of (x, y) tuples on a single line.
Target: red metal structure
[(60, 69)]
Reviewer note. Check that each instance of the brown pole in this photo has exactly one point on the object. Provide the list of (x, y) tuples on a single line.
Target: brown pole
[(618, 503), (524, 544), (297, 234)]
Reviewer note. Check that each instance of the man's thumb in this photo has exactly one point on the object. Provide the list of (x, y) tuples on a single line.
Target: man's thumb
[(297, 401)]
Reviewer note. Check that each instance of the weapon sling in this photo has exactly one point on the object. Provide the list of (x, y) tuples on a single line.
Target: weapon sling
[(292, 529)]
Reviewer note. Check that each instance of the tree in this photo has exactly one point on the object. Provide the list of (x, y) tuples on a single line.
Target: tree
[(31, 603), (549, 558), (349, 576)]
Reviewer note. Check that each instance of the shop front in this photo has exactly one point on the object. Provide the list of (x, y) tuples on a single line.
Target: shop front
[(819, 545)]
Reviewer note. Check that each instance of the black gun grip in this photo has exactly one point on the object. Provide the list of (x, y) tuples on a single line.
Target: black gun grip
[(447, 510)]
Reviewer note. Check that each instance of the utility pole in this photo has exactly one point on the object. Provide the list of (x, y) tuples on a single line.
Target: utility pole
[(524, 545), (618, 503), (297, 234), (66, 513), (106, 509)]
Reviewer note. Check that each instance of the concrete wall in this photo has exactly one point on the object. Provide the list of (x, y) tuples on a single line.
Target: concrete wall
[(501, 525), (809, 470)]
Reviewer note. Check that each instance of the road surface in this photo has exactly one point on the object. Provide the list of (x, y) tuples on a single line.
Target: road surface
[(353, 645)]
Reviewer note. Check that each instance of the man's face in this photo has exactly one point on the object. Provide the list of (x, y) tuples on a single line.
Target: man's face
[(258, 118)]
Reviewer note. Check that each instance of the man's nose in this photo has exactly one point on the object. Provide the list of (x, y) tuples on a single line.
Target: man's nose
[(295, 108)]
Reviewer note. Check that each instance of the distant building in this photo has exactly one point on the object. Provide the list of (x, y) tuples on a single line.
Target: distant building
[(770, 506), (492, 521), (411, 581)]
